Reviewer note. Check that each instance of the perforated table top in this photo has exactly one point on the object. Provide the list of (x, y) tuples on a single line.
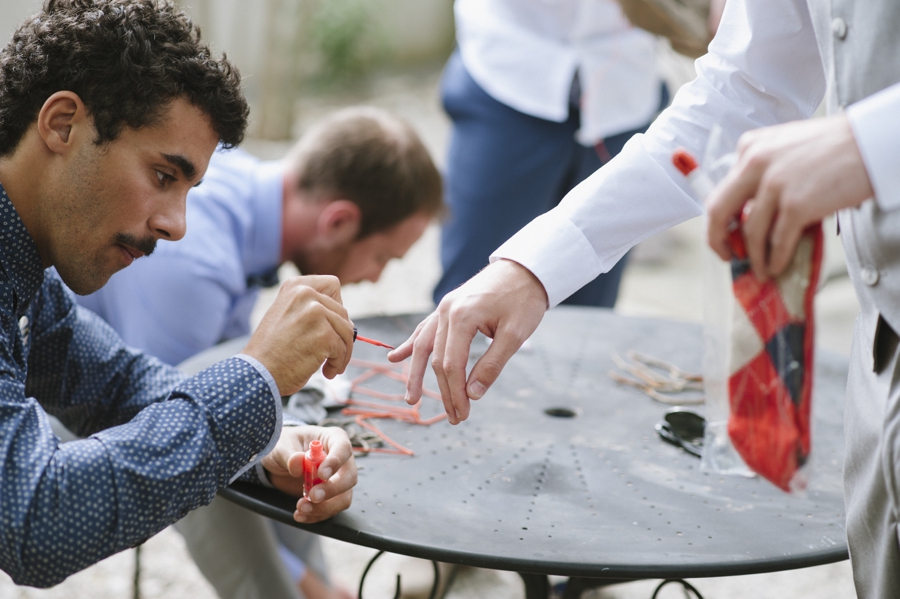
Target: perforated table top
[(594, 495)]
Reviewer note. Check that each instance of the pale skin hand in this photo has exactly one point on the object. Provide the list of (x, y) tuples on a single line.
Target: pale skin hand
[(786, 178), (505, 302), (305, 326), (338, 471)]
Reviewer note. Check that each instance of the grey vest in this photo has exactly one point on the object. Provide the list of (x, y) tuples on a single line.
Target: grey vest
[(859, 42)]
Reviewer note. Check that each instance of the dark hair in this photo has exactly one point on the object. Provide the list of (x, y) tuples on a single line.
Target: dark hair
[(126, 59), (373, 159)]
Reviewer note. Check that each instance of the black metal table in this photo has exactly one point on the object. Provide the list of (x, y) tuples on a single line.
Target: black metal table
[(596, 495)]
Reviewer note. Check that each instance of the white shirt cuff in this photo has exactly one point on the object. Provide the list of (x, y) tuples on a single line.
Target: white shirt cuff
[(556, 236), (876, 126)]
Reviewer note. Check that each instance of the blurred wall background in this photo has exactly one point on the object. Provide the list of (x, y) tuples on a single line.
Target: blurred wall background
[(286, 49), (13, 12), (291, 48)]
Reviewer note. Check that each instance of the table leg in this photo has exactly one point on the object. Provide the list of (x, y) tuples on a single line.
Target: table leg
[(537, 586), (576, 586)]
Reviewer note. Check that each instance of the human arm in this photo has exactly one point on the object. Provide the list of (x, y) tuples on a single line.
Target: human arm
[(639, 193), (158, 445), (338, 471), (76, 503)]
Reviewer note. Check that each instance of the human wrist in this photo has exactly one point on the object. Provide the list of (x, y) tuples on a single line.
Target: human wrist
[(520, 279)]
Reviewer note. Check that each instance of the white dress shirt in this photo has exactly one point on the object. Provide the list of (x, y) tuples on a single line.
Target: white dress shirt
[(524, 53), (763, 68), (876, 126)]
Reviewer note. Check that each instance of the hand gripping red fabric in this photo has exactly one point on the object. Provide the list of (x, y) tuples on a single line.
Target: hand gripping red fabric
[(772, 339)]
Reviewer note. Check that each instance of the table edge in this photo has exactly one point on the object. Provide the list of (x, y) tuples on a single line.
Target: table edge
[(333, 529)]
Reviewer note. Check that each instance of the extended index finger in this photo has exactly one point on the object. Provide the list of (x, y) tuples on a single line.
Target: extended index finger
[(419, 345)]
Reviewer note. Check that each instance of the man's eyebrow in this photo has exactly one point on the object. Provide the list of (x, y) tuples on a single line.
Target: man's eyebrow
[(186, 167)]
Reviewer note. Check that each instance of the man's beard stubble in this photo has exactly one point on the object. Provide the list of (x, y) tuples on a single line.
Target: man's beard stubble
[(83, 280), (81, 212)]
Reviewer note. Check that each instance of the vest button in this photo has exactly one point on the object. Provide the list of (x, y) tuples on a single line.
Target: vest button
[(869, 275), (839, 28)]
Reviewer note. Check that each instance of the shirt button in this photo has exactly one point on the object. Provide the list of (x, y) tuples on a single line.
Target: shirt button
[(23, 325), (839, 28), (869, 275)]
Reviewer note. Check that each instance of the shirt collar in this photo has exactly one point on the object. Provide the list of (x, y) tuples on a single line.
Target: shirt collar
[(18, 254), (263, 253)]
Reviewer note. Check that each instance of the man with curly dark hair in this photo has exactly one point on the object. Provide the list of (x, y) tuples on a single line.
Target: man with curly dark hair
[(109, 113)]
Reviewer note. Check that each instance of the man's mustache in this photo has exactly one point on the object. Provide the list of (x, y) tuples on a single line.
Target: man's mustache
[(145, 245)]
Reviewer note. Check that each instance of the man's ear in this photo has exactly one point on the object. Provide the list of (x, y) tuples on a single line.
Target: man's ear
[(58, 118), (339, 221)]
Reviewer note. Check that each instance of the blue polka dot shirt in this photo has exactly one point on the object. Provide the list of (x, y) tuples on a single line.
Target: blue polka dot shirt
[(155, 446)]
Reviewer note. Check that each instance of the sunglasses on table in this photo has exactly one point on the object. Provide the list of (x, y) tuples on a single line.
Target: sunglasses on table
[(683, 428)]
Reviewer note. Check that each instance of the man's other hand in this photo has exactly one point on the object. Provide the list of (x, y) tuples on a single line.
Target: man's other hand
[(338, 471), (305, 326), (786, 178), (505, 302)]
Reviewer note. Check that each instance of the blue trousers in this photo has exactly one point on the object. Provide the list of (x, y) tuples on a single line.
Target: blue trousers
[(504, 168)]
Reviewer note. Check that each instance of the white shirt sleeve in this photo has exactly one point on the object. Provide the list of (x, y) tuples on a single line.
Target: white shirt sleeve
[(763, 68), (876, 126)]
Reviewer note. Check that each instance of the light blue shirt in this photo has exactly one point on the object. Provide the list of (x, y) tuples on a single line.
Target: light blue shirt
[(194, 293)]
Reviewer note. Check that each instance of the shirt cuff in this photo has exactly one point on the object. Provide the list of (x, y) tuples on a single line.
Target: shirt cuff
[(547, 242), (261, 475), (279, 418), (875, 122), (263, 478)]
